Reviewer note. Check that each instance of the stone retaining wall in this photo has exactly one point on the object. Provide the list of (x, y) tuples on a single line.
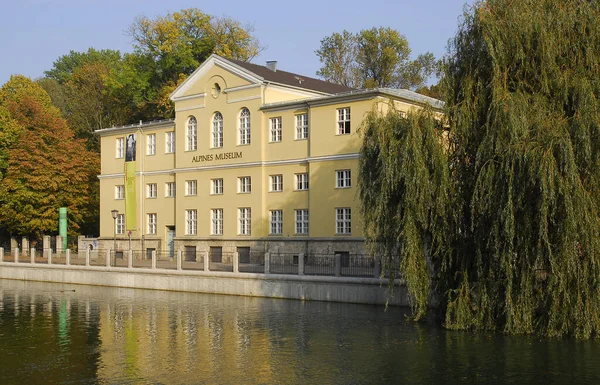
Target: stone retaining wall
[(316, 288)]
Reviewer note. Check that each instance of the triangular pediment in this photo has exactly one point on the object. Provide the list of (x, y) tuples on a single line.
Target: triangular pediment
[(214, 61)]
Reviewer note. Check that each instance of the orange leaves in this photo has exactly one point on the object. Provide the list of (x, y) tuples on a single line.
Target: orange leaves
[(47, 167)]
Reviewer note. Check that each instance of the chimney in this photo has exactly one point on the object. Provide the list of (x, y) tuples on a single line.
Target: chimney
[(272, 65)]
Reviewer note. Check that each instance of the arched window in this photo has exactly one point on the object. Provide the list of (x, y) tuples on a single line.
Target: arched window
[(192, 134), (217, 130), (245, 126)]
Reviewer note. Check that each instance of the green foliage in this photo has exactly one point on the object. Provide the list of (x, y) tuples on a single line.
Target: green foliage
[(403, 189), (521, 88), (45, 167), (179, 42), (65, 65), (376, 57), (338, 55), (102, 88), (57, 94), (522, 100)]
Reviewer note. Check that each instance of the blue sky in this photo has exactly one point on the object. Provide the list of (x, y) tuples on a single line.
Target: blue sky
[(36, 32)]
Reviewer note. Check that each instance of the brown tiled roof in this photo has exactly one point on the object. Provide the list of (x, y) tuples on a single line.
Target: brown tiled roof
[(292, 79)]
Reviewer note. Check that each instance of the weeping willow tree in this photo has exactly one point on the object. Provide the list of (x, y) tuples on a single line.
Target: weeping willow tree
[(403, 188), (521, 84)]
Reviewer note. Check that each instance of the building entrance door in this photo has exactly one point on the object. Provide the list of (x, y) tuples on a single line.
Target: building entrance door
[(170, 241)]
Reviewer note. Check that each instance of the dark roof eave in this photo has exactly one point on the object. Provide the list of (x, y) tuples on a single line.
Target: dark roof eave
[(135, 127)]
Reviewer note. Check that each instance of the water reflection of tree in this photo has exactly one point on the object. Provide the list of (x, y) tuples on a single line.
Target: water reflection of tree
[(43, 330)]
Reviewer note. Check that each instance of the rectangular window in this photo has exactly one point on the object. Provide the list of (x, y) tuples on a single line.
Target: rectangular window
[(151, 144), (276, 129), (302, 126), (276, 222), (301, 222), (191, 222), (343, 221), (276, 183), (120, 224), (343, 121), (191, 187), (170, 142), (244, 185), (120, 147), (244, 218), (151, 190), (120, 191), (217, 186), (217, 222), (302, 181), (152, 223), (343, 179), (170, 189)]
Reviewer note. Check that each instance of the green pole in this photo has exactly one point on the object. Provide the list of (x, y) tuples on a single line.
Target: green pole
[(62, 225)]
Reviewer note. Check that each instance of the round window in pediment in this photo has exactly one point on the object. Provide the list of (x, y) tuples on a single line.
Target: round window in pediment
[(216, 90)]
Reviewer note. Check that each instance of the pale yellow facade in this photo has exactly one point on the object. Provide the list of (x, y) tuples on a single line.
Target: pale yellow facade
[(222, 87)]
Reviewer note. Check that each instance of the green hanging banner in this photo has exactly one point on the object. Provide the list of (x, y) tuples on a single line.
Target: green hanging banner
[(130, 185), (62, 225)]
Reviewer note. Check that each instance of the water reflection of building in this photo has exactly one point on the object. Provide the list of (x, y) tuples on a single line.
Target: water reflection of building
[(160, 343)]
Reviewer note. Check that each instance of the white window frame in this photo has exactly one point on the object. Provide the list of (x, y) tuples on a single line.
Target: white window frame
[(216, 186), (244, 129), (302, 126), (170, 190), (244, 185), (191, 188), (276, 222), (192, 134), (151, 190), (217, 130), (151, 147), (216, 222), (119, 191), (120, 148), (276, 128), (152, 223), (343, 121), (276, 183), (169, 142), (343, 220), (244, 221), (120, 224), (301, 216), (301, 181), (191, 222), (343, 178)]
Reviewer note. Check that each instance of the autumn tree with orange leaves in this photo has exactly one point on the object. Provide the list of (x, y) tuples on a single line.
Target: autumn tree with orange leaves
[(42, 165)]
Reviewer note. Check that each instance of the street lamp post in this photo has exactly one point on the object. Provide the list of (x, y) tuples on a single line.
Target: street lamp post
[(115, 214)]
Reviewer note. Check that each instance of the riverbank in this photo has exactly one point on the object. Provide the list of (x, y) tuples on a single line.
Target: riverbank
[(372, 291)]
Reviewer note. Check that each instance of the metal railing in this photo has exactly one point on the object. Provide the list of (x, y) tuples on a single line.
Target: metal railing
[(118, 258), (77, 258), (340, 264), (224, 263), (319, 264), (166, 259), (283, 263), (357, 265), (193, 261), (98, 257), (254, 264)]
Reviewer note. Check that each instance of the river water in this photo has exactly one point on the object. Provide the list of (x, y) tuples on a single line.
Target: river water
[(66, 334)]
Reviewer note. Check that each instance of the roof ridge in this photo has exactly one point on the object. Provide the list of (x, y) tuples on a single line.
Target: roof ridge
[(290, 78)]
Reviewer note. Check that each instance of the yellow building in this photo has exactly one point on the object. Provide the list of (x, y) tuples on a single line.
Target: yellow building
[(256, 159)]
